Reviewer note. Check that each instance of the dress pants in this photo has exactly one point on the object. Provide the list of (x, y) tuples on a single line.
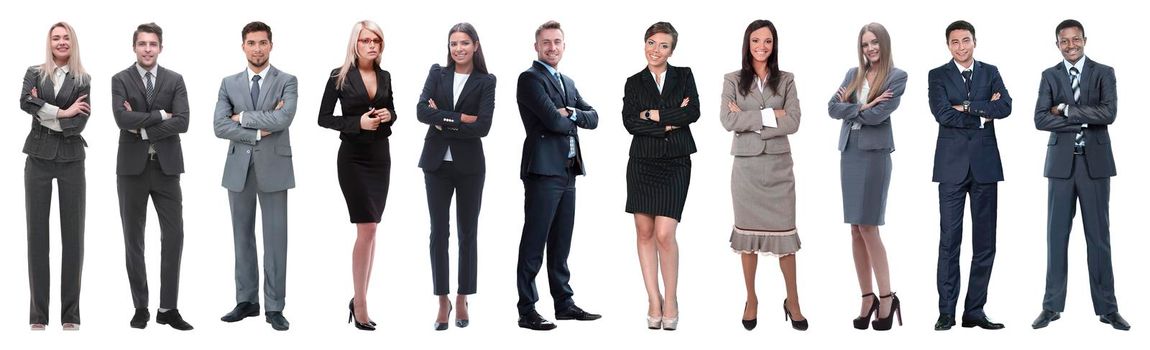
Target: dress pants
[(273, 211), (984, 219), (549, 218), (441, 184), (164, 190), (1093, 195), (38, 175)]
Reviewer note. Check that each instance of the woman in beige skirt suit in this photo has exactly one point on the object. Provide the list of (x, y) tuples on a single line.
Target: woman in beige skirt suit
[(760, 106)]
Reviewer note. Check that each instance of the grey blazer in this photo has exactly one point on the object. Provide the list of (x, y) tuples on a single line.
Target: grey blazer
[(43, 143), (271, 155), (746, 141), (876, 131)]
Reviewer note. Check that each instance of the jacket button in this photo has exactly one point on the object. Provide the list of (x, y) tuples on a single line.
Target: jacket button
[(248, 151)]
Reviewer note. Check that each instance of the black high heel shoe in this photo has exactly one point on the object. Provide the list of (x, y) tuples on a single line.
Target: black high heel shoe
[(443, 326), (464, 322), (799, 325), (883, 324), (862, 322), (351, 316), (751, 323)]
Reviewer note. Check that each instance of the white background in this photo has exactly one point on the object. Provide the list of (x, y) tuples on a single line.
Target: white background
[(817, 42)]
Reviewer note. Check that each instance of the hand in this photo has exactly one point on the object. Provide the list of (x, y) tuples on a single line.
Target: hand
[(431, 103), (779, 113), (236, 118), (654, 116), (734, 108), (280, 105), (78, 107), (127, 106), (995, 97), (367, 121), (686, 101), (886, 95), (957, 107), (563, 112), (1055, 111), (467, 118), (35, 93), (383, 114), (264, 132), (843, 96)]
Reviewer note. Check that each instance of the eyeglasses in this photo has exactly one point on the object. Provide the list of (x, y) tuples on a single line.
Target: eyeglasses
[(367, 41)]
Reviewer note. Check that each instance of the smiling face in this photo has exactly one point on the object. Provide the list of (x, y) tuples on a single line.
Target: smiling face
[(961, 43), (147, 49), (1072, 43), (762, 44), (870, 47), (658, 49), (549, 44), (369, 45), (61, 43), (462, 49), (258, 49)]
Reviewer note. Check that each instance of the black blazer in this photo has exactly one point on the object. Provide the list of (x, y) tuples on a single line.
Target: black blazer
[(44, 143), (171, 96), (962, 147), (640, 93), (546, 146), (1097, 106), (477, 98), (354, 103)]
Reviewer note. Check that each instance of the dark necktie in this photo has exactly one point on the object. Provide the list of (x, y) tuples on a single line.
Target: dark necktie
[(149, 85), (562, 88), (1080, 137), (255, 91), (966, 76)]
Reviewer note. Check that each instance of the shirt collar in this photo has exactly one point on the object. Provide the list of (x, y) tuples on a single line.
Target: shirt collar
[(155, 69), (263, 74), (1080, 65), (961, 68), (64, 68), (550, 69)]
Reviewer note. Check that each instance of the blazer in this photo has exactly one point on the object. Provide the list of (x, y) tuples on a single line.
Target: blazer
[(651, 140), (546, 145), (444, 128), (875, 133), (270, 155), (962, 147), (751, 137), (1097, 106), (354, 103), (169, 95), (63, 146)]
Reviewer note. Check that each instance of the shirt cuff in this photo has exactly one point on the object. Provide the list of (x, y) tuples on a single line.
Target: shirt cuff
[(769, 120), (258, 135), (164, 115), (48, 112), (242, 119), (574, 114), (144, 133)]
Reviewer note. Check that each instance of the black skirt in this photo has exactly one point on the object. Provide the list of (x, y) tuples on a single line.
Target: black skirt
[(658, 186), (364, 175)]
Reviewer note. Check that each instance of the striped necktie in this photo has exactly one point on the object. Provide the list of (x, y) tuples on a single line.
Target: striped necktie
[(1080, 137)]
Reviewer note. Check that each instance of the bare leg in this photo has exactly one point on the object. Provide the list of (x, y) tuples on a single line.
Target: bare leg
[(878, 263), (648, 262), (461, 307), (361, 261), (444, 309), (750, 265), (787, 265), (862, 268), (669, 263)]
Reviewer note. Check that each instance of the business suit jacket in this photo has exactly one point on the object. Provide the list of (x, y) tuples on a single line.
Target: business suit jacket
[(44, 143), (1097, 106), (546, 146), (744, 124), (651, 140), (477, 98), (876, 128), (273, 157), (171, 96), (354, 103), (962, 147)]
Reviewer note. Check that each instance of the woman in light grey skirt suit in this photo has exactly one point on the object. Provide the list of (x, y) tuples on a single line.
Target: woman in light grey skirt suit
[(760, 106), (864, 102)]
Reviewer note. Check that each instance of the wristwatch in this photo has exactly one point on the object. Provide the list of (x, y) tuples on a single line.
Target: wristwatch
[(966, 106), (647, 114)]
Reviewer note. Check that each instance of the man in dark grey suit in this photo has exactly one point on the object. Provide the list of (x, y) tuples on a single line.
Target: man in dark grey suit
[(254, 111), (1077, 101), (150, 105)]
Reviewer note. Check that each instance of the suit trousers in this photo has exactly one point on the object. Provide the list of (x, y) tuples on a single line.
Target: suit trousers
[(38, 175), (984, 222), (441, 184), (548, 221), (273, 210), (1093, 195), (164, 190)]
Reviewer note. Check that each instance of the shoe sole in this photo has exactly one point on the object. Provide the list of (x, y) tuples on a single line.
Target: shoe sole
[(536, 329)]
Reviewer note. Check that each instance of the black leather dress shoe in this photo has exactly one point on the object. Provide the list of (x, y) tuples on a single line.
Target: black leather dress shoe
[(532, 320), (277, 320), (575, 313), (1045, 318), (1115, 320), (172, 318), (140, 319), (945, 321), (241, 311), (981, 322)]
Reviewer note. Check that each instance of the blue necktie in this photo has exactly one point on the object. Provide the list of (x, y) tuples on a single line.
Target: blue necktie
[(966, 76), (255, 91)]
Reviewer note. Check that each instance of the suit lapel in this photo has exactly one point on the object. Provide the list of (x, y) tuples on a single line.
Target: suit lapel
[(65, 90), (549, 78), (266, 86), (668, 80), (1086, 80), (956, 79), (446, 89), (468, 85), (1062, 82)]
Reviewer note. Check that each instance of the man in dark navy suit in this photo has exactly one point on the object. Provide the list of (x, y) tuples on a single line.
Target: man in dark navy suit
[(1077, 101), (966, 96), (552, 111)]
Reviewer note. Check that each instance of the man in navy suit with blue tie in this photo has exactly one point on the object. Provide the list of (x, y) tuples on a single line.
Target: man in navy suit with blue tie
[(966, 96), (552, 111), (1077, 101)]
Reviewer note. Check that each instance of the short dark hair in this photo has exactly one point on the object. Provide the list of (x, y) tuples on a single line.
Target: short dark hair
[(548, 25), (150, 27), (256, 26), (1070, 23), (665, 28), (960, 25)]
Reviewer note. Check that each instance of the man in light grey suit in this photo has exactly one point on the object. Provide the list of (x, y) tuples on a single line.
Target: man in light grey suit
[(254, 111)]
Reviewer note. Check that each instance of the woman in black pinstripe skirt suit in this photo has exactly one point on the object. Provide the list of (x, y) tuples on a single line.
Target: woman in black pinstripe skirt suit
[(659, 105)]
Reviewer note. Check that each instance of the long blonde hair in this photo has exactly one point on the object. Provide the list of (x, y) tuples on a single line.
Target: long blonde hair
[(77, 70), (353, 52), (885, 64)]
